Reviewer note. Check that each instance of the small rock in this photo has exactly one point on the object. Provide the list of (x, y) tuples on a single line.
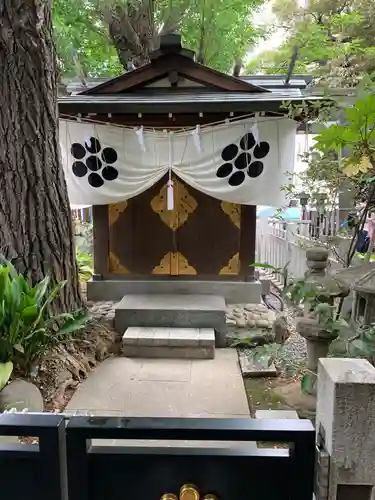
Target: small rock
[(230, 321), (280, 329), (250, 307), (271, 316), (237, 310), (20, 394), (251, 323), (250, 316), (262, 323), (241, 322)]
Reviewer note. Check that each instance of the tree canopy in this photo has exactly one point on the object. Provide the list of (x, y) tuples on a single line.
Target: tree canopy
[(334, 39), (102, 37)]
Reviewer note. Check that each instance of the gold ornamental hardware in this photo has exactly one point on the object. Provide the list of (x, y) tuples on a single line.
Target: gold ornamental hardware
[(115, 266), (174, 264), (233, 211), (233, 266), (188, 492), (169, 496), (184, 205), (115, 210)]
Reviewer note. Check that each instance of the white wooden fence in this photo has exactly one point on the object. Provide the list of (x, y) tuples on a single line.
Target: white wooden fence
[(280, 242)]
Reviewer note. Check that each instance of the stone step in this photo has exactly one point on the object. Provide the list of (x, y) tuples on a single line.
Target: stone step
[(187, 343), (277, 414), (174, 311)]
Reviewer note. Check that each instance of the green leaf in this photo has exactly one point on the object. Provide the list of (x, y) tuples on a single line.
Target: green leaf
[(40, 289), (360, 348), (30, 314), (308, 383), (19, 348), (6, 370), (14, 327), (75, 324), (4, 281)]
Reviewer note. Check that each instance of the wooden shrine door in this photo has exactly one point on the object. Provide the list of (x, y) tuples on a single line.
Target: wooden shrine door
[(200, 236)]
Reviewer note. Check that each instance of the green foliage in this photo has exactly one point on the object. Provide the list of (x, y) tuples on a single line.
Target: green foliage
[(82, 40), (357, 135), (335, 40), (27, 327), (327, 172), (85, 266), (359, 345), (281, 271), (218, 30), (309, 383), (6, 370), (362, 256)]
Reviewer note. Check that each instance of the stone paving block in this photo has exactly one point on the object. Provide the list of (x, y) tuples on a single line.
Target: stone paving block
[(160, 341), (206, 336), (277, 414), (181, 337), (161, 336), (144, 351), (185, 311), (136, 387), (178, 370)]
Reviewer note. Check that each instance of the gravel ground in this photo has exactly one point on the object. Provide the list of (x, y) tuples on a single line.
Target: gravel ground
[(294, 353), (291, 358)]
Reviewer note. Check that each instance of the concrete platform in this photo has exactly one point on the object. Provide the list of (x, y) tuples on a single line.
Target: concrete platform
[(234, 292), (165, 388), (188, 343), (176, 311)]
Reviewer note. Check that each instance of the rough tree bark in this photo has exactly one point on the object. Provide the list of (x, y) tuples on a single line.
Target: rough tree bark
[(133, 32), (35, 220)]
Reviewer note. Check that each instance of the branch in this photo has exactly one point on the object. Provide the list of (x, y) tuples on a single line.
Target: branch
[(237, 67), (123, 35), (172, 23)]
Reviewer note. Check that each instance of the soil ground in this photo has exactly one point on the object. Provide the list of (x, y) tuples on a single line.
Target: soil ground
[(279, 394)]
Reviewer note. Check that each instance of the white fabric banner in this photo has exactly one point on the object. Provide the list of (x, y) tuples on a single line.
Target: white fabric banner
[(106, 164)]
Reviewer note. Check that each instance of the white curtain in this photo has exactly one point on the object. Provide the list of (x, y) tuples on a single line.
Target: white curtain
[(241, 162)]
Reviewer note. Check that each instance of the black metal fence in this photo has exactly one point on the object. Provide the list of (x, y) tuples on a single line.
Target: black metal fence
[(66, 465)]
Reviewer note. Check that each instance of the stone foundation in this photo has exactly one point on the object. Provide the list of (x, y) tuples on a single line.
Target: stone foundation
[(234, 292)]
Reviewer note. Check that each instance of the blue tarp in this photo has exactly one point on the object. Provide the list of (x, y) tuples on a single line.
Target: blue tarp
[(290, 213)]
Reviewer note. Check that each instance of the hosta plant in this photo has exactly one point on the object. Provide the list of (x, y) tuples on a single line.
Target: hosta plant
[(27, 326)]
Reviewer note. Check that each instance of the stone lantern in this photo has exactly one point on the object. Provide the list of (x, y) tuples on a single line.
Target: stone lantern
[(318, 339), (304, 199), (361, 280)]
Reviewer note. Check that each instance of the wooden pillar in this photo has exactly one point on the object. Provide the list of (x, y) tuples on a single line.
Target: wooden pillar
[(247, 241), (101, 240)]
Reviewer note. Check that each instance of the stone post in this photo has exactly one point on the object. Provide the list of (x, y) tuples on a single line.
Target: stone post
[(345, 423), (318, 338)]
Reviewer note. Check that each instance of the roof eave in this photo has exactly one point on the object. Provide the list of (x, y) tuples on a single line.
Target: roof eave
[(67, 105)]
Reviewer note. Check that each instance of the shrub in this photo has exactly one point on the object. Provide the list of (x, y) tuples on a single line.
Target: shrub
[(85, 266), (27, 327)]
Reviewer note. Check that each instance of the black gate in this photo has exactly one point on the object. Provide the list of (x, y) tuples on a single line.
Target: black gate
[(147, 472)]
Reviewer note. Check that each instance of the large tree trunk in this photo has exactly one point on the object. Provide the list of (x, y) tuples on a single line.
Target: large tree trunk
[(133, 32), (35, 219)]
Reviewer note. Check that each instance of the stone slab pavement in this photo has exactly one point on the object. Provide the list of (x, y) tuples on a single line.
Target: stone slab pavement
[(138, 387)]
